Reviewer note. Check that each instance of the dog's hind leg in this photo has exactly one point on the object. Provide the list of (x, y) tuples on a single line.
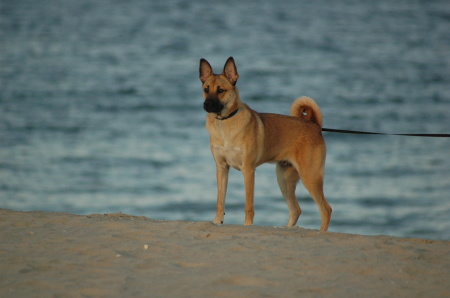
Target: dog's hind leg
[(314, 186), (312, 178), (287, 177), (311, 169)]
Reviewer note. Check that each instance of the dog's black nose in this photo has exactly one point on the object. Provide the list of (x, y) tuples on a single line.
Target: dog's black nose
[(207, 104), (212, 105)]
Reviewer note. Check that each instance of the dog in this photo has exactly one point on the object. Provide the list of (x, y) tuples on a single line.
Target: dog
[(243, 139)]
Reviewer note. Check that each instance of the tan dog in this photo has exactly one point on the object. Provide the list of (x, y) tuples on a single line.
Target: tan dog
[(244, 139)]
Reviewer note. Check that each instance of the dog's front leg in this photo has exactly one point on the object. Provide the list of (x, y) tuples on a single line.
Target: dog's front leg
[(222, 182), (249, 181)]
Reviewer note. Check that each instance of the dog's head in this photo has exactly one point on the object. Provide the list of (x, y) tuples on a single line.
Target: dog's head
[(219, 91)]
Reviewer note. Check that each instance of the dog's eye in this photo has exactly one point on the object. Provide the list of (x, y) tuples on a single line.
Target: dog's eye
[(220, 91), (206, 89)]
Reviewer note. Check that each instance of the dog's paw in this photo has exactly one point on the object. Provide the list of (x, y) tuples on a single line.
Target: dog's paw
[(218, 221), (220, 224)]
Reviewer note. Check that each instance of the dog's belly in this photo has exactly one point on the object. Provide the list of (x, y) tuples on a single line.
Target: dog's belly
[(232, 156)]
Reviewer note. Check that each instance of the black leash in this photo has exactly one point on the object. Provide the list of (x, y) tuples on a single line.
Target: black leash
[(387, 134)]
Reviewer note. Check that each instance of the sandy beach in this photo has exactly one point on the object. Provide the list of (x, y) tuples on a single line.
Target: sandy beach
[(117, 255)]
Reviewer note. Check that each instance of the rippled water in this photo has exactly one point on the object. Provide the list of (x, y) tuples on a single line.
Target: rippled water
[(101, 109)]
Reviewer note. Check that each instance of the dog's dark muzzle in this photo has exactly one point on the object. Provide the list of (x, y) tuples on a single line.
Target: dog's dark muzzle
[(212, 105)]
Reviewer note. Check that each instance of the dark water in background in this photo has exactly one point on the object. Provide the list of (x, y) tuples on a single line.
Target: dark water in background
[(101, 109)]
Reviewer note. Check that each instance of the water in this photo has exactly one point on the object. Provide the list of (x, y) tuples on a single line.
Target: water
[(101, 109)]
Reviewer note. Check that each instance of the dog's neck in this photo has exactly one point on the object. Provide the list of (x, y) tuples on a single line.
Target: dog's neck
[(234, 108), (229, 115)]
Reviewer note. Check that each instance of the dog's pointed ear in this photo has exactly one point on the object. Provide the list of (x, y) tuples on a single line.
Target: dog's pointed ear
[(205, 70), (230, 71)]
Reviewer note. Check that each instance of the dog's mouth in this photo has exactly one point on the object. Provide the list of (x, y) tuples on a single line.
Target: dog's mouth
[(213, 106)]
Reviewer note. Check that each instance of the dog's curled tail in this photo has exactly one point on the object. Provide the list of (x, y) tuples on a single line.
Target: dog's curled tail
[(306, 108)]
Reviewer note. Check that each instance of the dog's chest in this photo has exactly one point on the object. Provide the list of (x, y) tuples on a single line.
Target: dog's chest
[(232, 156), (227, 143)]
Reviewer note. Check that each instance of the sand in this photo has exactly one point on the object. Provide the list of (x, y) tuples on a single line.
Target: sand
[(117, 255)]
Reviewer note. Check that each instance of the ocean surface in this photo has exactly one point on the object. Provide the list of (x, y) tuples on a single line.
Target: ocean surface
[(101, 107)]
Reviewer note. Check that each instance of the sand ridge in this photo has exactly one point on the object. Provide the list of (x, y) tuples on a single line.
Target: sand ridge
[(117, 255)]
